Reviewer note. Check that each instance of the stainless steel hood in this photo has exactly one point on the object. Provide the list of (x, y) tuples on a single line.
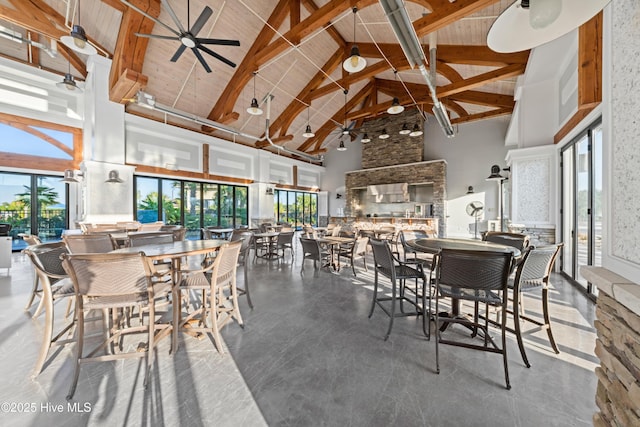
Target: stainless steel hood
[(389, 193)]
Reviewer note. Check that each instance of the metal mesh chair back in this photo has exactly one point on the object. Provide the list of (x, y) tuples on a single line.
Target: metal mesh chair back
[(473, 275), (265, 227), (46, 259), (5, 229), (536, 267), (516, 240), (406, 235), (31, 239), (360, 247), (285, 239), (206, 234), (141, 239), (98, 275), (246, 238), (89, 243), (310, 248), (382, 257)]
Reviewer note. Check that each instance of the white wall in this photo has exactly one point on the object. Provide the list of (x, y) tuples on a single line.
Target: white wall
[(476, 147), (338, 163)]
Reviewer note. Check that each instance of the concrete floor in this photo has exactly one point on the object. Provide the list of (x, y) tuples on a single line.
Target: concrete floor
[(308, 355)]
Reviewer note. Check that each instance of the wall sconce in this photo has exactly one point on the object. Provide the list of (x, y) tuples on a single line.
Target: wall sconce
[(114, 177), (338, 196), (470, 190), (269, 191), (71, 176)]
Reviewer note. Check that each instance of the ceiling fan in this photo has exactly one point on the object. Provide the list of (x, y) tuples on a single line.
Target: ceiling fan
[(188, 38)]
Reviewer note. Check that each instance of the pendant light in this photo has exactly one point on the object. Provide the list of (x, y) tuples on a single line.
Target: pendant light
[(416, 131), (384, 134), (77, 39), (405, 129), (254, 109), (308, 133), (365, 138), (527, 23), (68, 82), (395, 108), (341, 147), (355, 62)]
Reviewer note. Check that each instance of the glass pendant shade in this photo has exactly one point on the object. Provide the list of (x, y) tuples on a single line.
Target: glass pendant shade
[(355, 62), (543, 12), (77, 41)]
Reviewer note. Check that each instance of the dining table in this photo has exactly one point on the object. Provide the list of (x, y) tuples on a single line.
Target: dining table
[(270, 239), (175, 252), (434, 245), (334, 242)]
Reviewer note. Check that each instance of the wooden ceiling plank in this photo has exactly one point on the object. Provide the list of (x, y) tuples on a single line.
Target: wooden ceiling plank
[(34, 52), (331, 30), (35, 20)]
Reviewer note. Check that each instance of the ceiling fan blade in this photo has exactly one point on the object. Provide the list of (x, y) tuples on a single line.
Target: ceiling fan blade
[(179, 52), (201, 59), (156, 36), (154, 19), (174, 18), (222, 42), (202, 19), (218, 57)]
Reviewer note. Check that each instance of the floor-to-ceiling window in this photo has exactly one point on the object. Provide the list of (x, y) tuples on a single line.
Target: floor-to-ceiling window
[(190, 203), (581, 171), (42, 212), (296, 207)]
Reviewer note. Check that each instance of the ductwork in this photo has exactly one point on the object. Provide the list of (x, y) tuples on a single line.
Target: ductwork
[(389, 193), (146, 100)]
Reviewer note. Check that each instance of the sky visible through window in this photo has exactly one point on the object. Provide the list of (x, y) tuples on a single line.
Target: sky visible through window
[(13, 140)]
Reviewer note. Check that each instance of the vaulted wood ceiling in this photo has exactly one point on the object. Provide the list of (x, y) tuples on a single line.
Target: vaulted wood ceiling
[(294, 47)]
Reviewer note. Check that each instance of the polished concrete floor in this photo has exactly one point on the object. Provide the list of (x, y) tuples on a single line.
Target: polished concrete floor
[(308, 356)]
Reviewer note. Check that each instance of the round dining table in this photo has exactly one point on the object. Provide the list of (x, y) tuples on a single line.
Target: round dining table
[(434, 245)]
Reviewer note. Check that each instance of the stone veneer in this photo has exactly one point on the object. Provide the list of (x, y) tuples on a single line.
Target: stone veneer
[(397, 149), (432, 171), (617, 347)]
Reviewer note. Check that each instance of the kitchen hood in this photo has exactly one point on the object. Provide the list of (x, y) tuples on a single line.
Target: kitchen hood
[(389, 193)]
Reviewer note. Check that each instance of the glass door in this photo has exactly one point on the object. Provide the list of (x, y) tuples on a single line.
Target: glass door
[(581, 171)]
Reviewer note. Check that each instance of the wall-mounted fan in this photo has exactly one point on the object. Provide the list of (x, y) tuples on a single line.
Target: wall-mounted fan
[(188, 37), (474, 209)]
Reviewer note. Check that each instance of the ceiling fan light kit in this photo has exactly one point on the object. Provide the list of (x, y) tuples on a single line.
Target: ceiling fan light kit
[(530, 23)]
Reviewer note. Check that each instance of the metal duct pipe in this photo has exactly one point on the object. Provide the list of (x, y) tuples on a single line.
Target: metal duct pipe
[(146, 100)]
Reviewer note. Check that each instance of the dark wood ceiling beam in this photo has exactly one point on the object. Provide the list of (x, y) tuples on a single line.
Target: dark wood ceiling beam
[(126, 78), (484, 98), (294, 16), (292, 110), (249, 64), (482, 116), (29, 17), (330, 125), (331, 30), (480, 80), (446, 12), (34, 52), (455, 107), (73, 60)]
